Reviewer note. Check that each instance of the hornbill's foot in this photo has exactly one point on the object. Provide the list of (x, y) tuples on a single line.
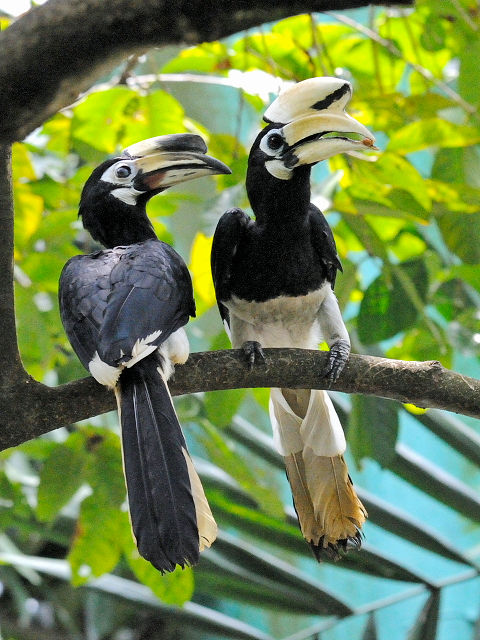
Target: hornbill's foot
[(253, 352), (337, 359)]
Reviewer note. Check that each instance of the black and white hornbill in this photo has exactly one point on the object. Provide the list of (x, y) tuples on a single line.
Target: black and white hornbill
[(123, 310), (274, 280)]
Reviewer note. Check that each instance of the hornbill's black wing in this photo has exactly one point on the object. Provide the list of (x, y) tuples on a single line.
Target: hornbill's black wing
[(112, 298), (226, 240), (113, 303), (324, 244), (83, 292)]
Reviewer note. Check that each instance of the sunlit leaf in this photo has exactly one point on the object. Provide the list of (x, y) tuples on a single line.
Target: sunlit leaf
[(28, 212), (432, 132), (22, 168), (154, 114), (201, 273), (99, 120), (207, 57)]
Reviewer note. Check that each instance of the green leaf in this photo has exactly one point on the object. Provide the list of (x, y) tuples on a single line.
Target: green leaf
[(172, 588), (104, 471), (99, 119), (101, 535), (440, 484), (370, 632), (419, 343), (395, 172), (432, 132), (221, 406), (425, 627), (157, 113), (208, 57), (386, 310), (388, 516), (279, 573), (455, 228), (60, 478), (373, 429), (249, 475), (468, 76), (367, 236)]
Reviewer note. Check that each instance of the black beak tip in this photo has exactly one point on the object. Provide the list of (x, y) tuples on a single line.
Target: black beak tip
[(219, 167)]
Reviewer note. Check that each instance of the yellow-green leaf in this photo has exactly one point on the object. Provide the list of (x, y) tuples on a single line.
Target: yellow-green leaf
[(432, 132), (173, 588), (201, 273)]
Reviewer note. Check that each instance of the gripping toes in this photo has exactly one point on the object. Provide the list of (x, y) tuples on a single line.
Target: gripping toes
[(253, 352), (337, 359)]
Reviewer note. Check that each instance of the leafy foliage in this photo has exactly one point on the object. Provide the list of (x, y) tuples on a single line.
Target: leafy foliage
[(406, 223)]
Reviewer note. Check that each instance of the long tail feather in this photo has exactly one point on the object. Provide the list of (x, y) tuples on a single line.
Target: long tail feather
[(169, 513), (309, 436)]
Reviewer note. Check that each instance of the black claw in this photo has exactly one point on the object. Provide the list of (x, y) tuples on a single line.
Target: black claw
[(337, 359), (338, 550), (253, 352)]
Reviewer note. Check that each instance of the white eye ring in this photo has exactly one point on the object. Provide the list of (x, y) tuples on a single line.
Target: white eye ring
[(122, 172), (272, 144)]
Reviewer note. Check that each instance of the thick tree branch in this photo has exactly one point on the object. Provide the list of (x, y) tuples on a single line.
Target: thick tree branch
[(426, 384), (10, 362), (56, 50)]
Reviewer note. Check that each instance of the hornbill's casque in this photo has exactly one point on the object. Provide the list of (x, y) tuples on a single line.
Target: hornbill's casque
[(274, 280), (123, 310)]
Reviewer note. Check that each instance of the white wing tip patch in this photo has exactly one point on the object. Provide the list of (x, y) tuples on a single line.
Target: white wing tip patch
[(143, 347), (102, 372)]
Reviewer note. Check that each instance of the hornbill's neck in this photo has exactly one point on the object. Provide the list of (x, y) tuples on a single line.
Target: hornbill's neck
[(112, 222), (278, 202)]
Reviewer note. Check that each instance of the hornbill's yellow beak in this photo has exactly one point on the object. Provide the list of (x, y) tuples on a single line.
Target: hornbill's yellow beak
[(308, 124)]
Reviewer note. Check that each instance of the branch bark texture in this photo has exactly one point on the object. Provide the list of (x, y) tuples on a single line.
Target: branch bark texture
[(29, 409), (56, 50)]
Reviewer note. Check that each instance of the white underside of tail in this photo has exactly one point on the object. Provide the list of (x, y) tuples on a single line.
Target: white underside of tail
[(320, 429), (175, 350)]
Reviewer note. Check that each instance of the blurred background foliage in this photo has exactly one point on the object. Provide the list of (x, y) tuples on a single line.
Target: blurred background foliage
[(406, 221)]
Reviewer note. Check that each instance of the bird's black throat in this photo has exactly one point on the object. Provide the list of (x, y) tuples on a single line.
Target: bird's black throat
[(113, 222), (278, 202)]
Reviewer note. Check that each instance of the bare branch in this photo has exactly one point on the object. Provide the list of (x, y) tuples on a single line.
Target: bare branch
[(10, 363), (56, 50), (426, 384)]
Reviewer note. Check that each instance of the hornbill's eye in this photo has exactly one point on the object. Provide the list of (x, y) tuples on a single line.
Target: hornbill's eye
[(274, 141), (123, 172)]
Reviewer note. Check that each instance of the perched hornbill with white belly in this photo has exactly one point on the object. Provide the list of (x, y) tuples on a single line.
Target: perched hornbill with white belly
[(123, 310), (274, 279)]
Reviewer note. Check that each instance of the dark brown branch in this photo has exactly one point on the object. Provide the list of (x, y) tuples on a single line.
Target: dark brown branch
[(10, 363), (31, 409), (56, 50)]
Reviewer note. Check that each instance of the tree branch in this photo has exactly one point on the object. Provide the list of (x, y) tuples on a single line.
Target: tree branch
[(56, 50), (426, 384), (11, 366)]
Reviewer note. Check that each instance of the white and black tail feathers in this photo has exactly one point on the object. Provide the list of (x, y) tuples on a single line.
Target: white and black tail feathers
[(170, 515), (309, 435)]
